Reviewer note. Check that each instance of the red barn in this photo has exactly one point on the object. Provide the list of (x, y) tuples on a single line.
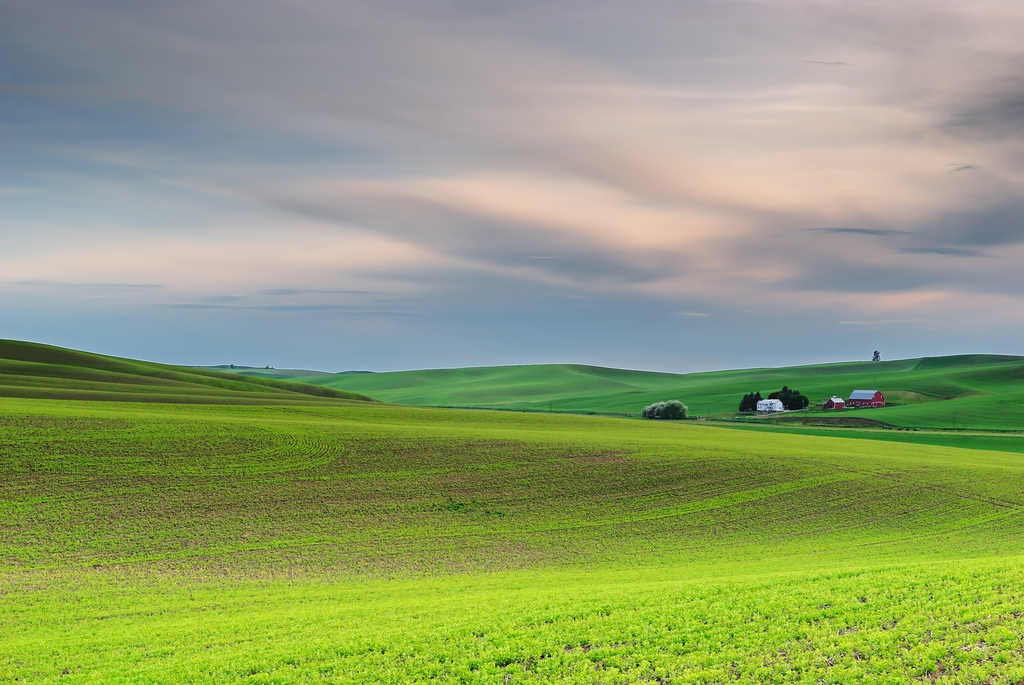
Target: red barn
[(866, 398), (835, 403)]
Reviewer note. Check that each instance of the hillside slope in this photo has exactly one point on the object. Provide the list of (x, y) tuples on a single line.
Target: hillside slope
[(985, 391), (33, 370)]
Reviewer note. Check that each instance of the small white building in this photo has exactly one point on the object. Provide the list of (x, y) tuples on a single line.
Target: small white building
[(770, 405)]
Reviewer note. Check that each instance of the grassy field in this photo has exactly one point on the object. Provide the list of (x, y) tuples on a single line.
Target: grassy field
[(975, 391), (364, 542), (998, 441), (43, 371)]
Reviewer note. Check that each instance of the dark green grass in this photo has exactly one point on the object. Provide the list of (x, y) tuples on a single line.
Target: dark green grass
[(964, 439), (363, 542), (31, 370), (985, 391)]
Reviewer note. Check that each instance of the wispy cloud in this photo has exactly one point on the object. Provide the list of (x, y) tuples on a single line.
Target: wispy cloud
[(859, 231), (336, 308), (88, 286), (944, 250), (884, 322), (290, 292)]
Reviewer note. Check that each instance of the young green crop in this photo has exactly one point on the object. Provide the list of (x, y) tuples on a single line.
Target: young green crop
[(948, 622), (357, 543)]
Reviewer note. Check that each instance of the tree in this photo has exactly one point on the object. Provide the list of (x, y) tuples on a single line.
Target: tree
[(673, 410), (749, 401), (745, 402), (797, 401), (791, 399), (877, 356)]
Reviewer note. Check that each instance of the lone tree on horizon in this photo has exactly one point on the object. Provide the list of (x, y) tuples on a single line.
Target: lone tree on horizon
[(877, 356)]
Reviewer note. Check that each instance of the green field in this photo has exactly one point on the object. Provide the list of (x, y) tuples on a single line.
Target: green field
[(361, 542), (975, 391)]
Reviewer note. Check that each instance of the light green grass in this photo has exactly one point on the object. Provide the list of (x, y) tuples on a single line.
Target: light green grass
[(950, 623), (985, 391), (365, 542)]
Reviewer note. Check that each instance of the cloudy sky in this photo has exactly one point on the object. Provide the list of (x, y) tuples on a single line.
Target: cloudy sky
[(657, 184)]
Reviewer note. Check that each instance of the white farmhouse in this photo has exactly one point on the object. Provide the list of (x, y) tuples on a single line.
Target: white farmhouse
[(770, 405)]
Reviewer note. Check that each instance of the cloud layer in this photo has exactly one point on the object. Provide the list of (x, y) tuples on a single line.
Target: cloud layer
[(478, 170)]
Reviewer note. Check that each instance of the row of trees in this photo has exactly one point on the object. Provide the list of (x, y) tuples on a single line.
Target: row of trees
[(791, 399)]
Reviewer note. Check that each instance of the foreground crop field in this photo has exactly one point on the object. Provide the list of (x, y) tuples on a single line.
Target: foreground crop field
[(360, 542)]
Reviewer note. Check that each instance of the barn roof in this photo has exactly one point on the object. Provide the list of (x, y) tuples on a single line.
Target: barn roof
[(862, 394), (837, 399)]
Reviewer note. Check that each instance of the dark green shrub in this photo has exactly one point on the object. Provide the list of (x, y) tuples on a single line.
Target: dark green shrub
[(673, 409)]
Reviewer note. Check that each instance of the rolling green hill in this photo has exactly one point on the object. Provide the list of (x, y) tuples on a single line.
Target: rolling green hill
[(985, 391), (364, 542), (43, 371), (179, 539)]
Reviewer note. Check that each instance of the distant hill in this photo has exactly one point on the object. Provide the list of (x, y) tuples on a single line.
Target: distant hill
[(984, 391), (264, 372), (43, 371), (965, 391)]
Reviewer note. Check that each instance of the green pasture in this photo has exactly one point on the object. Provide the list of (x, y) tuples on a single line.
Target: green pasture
[(998, 441), (983, 391), (361, 542)]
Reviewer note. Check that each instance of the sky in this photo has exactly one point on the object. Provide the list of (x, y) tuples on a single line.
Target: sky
[(395, 184)]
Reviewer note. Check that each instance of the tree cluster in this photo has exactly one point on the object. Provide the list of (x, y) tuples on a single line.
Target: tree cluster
[(673, 409), (749, 401), (791, 399)]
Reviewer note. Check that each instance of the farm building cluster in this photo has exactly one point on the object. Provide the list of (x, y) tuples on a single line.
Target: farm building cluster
[(792, 400), (858, 398), (781, 400), (770, 405)]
